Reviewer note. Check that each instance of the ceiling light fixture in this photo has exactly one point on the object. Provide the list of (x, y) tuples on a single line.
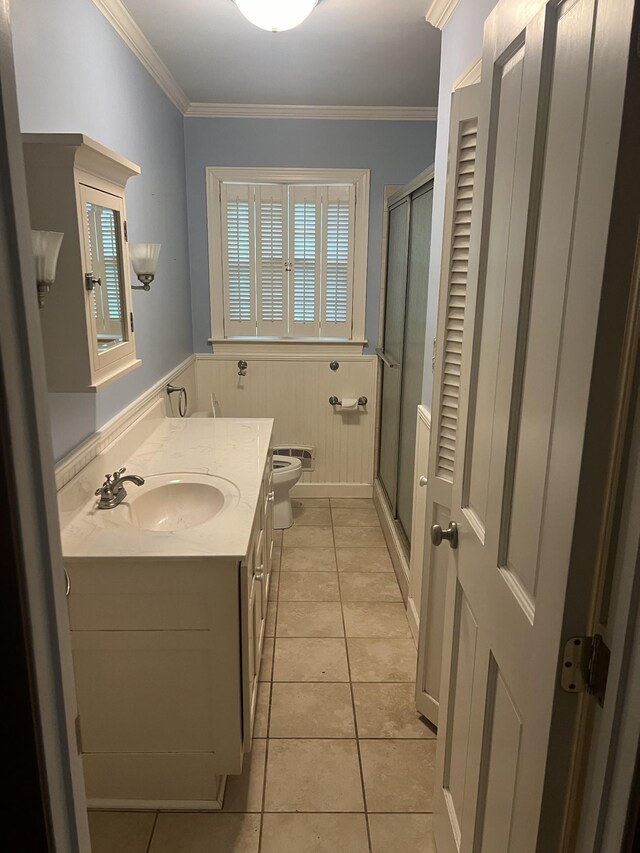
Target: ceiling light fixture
[(276, 15)]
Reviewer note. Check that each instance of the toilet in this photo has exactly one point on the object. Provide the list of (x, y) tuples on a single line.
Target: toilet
[(286, 472)]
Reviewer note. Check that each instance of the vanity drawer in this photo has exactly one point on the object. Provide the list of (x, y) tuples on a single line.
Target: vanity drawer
[(164, 596)]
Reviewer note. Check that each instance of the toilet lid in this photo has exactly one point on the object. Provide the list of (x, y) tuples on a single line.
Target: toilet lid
[(280, 462)]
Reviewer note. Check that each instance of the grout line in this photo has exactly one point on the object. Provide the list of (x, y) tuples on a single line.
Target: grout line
[(353, 701), (153, 829)]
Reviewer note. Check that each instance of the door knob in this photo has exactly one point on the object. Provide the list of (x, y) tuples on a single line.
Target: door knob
[(422, 481), (450, 534)]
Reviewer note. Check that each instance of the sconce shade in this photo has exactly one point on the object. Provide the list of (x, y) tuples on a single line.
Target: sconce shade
[(144, 257), (276, 15), (46, 248)]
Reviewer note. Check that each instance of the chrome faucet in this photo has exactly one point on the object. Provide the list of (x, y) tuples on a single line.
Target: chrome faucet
[(112, 492)]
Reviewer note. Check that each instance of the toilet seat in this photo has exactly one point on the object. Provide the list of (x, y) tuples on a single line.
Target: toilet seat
[(286, 467)]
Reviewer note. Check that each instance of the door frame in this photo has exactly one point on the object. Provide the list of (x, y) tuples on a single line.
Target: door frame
[(28, 481)]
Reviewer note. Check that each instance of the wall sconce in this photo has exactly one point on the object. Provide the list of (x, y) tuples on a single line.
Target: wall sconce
[(46, 248), (144, 260)]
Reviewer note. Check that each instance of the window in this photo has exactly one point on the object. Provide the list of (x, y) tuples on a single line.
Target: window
[(287, 254)]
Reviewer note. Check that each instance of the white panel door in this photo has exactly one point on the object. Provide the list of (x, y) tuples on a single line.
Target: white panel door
[(463, 132), (549, 119)]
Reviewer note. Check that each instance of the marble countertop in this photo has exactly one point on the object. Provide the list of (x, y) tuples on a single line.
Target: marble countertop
[(233, 448)]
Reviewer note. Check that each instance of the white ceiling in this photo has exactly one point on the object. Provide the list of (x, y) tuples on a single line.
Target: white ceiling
[(347, 53)]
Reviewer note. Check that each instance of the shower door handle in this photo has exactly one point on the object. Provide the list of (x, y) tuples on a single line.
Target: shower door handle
[(385, 358)]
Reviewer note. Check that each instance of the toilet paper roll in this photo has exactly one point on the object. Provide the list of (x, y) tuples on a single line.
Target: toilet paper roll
[(349, 404)]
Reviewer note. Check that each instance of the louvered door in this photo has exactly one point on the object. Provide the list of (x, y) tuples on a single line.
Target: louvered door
[(446, 389)]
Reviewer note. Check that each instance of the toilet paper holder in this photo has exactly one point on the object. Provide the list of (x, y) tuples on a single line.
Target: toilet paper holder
[(333, 401)]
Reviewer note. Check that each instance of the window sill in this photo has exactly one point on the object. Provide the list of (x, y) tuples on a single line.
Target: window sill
[(285, 347)]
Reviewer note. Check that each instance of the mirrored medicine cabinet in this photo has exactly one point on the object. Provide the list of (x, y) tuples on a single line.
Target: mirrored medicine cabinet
[(76, 186)]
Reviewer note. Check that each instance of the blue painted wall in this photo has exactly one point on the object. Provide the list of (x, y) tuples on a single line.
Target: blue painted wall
[(395, 152), (461, 45), (75, 74)]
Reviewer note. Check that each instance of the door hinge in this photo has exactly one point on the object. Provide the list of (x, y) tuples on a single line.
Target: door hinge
[(585, 666), (131, 320), (126, 232), (78, 735)]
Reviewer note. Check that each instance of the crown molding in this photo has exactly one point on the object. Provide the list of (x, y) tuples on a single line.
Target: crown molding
[(132, 35), (202, 110), (440, 12), (472, 74)]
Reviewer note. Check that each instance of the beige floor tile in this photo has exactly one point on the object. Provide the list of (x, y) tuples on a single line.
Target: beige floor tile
[(309, 619), (276, 558), (270, 621), (277, 537), (358, 537), (244, 792), (295, 502), (308, 560), (314, 833), (401, 833), (126, 832), (266, 664), (311, 660), (389, 711), (398, 774), (382, 660), (311, 711), (313, 775), (308, 536), (310, 586), (355, 517), (187, 832), (304, 515), (355, 503), (274, 586), (375, 619), (261, 722), (369, 586), (364, 560)]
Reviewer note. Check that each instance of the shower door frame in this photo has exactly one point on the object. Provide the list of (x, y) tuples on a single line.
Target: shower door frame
[(394, 195)]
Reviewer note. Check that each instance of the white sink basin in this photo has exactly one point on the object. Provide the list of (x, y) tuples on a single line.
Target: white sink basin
[(168, 502)]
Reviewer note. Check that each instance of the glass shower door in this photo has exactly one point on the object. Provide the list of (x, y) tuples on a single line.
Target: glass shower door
[(392, 353), (413, 350)]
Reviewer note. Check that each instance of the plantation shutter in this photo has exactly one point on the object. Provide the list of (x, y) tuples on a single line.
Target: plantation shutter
[(271, 255), (239, 261), (456, 298), (338, 225), (304, 257)]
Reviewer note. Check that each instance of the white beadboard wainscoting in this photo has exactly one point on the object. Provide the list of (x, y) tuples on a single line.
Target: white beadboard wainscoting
[(295, 391), (418, 520), (183, 376)]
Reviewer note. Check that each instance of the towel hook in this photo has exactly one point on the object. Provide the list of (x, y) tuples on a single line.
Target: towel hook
[(242, 367)]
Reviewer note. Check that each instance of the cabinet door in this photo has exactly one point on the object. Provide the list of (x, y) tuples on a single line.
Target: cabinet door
[(157, 692), (107, 286)]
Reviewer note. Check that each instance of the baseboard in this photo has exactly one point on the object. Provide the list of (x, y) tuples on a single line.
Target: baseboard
[(394, 544), (332, 490), (414, 619)]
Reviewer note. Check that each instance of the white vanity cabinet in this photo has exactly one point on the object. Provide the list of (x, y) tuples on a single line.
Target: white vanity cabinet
[(76, 186), (166, 656)]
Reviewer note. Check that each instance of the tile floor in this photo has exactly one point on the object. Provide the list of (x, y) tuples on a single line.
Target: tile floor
[(341, 762)]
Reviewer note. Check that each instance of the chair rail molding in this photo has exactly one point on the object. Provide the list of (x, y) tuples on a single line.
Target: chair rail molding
[(440, 12)]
